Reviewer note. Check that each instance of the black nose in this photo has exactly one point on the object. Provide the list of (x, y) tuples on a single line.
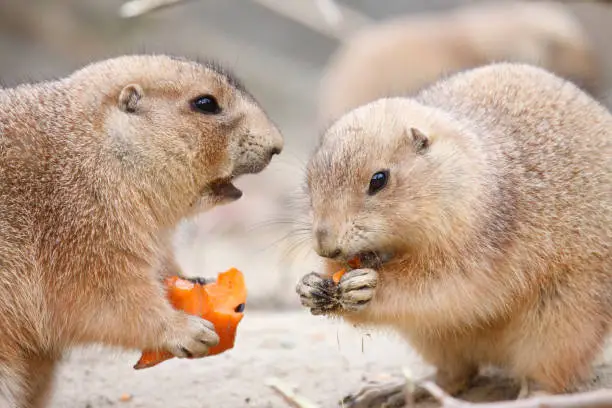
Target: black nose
[(333, 254), (325, 245), (275, 150)]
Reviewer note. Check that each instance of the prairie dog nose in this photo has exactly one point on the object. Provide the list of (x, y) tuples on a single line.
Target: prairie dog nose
[(325, 245), (273, 151), (330, 253), (276, 142)]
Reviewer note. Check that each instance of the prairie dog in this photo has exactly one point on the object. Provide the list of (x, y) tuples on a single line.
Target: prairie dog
[(481, 210), (96, 170), (400, 56)]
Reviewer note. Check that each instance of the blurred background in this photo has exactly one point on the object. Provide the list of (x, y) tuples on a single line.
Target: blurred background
[(306, 61)]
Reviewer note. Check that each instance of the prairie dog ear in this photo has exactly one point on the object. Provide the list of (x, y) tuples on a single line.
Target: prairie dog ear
[(420, 140), (129, 98)]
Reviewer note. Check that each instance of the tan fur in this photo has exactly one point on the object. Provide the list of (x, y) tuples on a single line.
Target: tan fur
[(500, 231), (96, 170), (402, 55)]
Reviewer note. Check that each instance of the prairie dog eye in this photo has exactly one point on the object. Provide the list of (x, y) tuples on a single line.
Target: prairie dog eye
[(206, 104), (378, 181)]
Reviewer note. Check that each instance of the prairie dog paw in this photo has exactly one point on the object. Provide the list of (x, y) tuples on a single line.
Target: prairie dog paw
[(392, 394), (356, 289), (317, 293), (194, 340)]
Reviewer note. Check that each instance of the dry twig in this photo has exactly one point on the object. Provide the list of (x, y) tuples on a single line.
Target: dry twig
[(591, 399), (323, 16), (586, 1), (135, 8), (289, 395)]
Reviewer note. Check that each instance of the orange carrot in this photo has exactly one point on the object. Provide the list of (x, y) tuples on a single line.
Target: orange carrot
[(221, 303), (338, 275), (353, 264)]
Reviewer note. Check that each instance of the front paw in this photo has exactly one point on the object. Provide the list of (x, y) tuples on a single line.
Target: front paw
[(193, 339), (318, 293), (322, 296), (356, 289)]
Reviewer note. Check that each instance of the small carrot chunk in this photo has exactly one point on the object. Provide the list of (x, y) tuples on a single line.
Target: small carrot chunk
[(338, 275), (125, 397), (353, 264), (221, 302)]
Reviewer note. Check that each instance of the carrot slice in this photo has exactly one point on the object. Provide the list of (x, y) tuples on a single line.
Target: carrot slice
[(353, 263), (338, 275), (221, 302)]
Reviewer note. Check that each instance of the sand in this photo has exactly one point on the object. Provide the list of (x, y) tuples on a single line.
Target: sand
[(323, 359)]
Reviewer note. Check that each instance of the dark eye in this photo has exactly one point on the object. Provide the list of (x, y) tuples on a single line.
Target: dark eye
[(239, 308), (206, 104), (378, 182)]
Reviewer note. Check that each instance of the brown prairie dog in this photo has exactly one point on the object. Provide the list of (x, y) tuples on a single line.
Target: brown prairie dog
[(96, 171), (401, 56), (482, 212)]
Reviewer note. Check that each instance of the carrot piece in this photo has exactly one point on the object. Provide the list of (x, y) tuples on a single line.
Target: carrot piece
[(221, 303), (353, 263), (338, 275)]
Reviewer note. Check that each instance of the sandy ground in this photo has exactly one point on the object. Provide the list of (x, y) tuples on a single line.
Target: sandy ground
[(323, 359)]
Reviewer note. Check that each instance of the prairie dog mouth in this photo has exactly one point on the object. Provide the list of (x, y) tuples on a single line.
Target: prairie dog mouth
[(224, 189), (373, 259), (217, 192)]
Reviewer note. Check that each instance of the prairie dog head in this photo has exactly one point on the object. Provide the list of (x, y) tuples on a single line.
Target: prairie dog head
[(186, 129), (389, 178)]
